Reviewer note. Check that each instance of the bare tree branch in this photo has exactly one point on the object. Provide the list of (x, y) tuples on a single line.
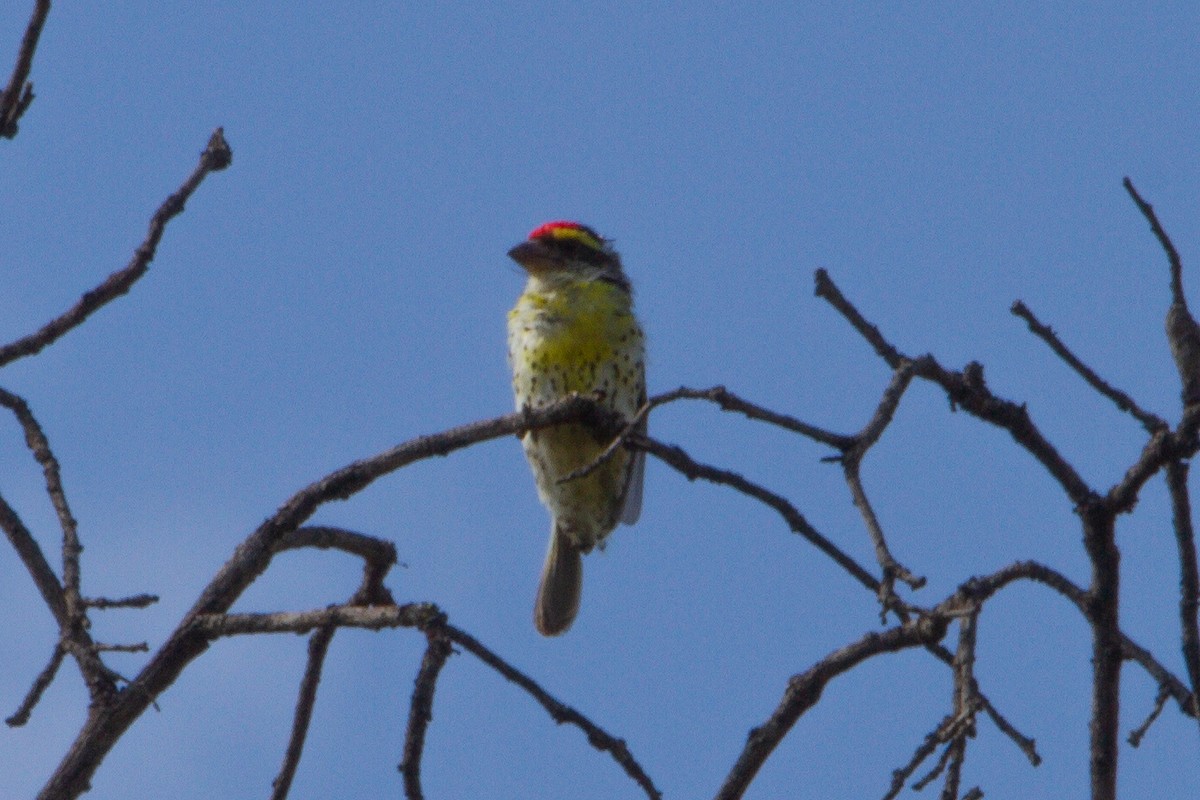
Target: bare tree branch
[(73, 638), (374, 618), (36, 440), (378, 555), (728, 401), (691, 469), (1151, 422), (1176, 264), (420, 711), (40, 683), (18, 94), (318, 647), (107, 722), (804, 690), (1189, 575), (1160, 701), (1103, 604), (966, 702), (216, 156), (562, 714), (426, 617), (134, 601), (1183, 334), (851, 466), (35, 562), (966, 390), (932, 740)]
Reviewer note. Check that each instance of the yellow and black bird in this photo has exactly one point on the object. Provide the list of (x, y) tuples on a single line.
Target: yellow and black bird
[(573, 331)]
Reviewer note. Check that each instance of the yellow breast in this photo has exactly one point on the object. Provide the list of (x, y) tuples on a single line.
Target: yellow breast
[(576, 337)]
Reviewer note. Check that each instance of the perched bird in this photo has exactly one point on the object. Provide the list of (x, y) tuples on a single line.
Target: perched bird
[(573, 331)]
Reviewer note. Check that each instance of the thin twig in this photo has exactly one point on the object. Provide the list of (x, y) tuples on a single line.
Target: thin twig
[(939, 735), (1189, 575), (966, 390), (378, 555), (74, 639), (191, 637), (727, 401), (18, 94), (39, 446), (966, 703), (1160, 449), (1183, 332), (804, 690), (420, 711), (691, 469), (1151, 422), (1139, 733), (139, 647), (562, 714), (35, 562), (851, 467), (1177, 296), (43, 680), (1027, 745), (938, 768), (318, 647), (135, 601), (216, 156), (827, 290)]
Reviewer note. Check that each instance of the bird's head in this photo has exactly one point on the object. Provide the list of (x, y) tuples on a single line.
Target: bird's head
[(569, 251)]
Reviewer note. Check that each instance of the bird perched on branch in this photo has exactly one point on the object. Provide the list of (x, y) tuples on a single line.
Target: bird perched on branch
[(573, 331)]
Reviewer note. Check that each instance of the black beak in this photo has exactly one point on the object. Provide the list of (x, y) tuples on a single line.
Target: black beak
[(534, 256)]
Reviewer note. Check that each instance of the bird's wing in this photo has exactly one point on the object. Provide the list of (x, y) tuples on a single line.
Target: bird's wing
[(631, 507)]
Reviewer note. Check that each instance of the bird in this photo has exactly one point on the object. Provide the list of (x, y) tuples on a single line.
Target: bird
[(573, 331)]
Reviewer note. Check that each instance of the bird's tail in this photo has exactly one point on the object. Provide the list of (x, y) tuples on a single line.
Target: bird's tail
[(558, 593)]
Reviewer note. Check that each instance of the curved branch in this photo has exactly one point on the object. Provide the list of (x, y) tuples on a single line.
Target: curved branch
[(107, 722), (804, 690), (216, 156), (675, 457), (597, 737)]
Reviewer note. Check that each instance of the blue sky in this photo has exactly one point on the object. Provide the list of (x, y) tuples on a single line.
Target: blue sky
[(343, 287)]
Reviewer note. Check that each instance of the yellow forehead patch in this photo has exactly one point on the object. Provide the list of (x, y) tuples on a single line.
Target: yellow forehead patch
[(578, 234)]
